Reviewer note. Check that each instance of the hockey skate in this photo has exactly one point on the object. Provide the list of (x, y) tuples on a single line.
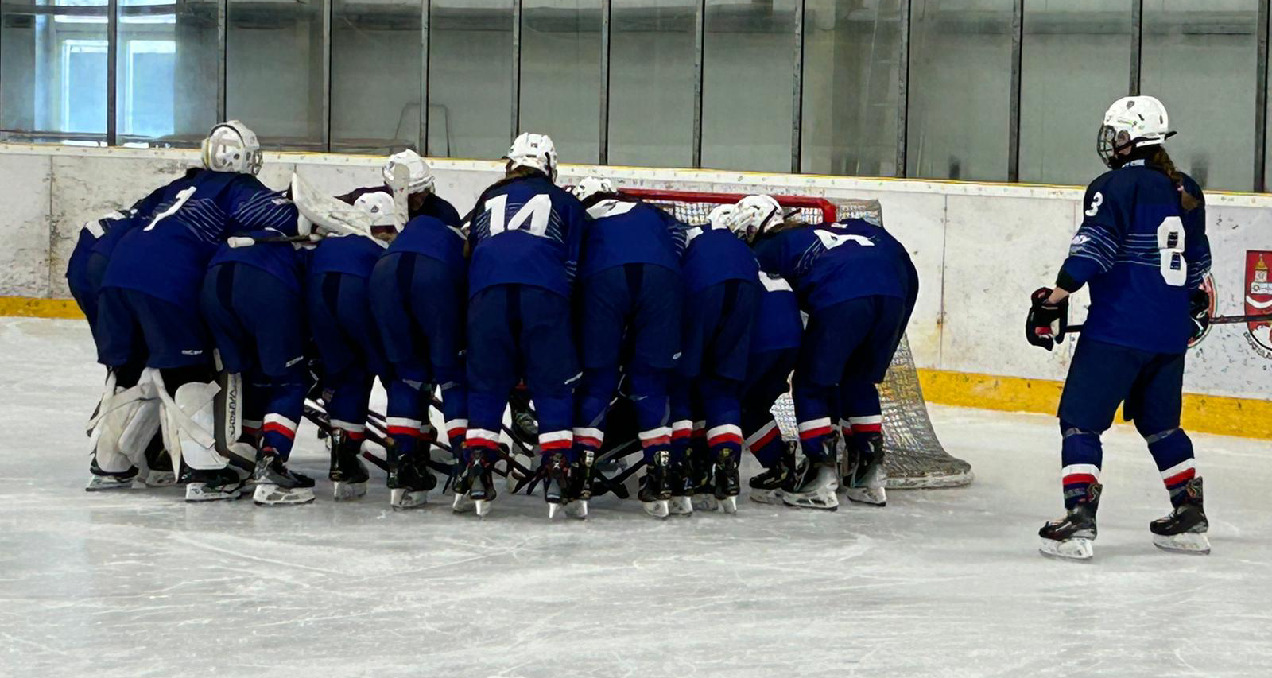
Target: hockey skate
[(727, 483), (1184, 530), (105, 480), (277, 485), (222, 484), (813, 486), (409, 481), (864, 474), (579, 486), (1073, 537), (681, 502), (159, 471), (561, 488), (475, 489), (348, 474), (702, 480), (655, 494), (766, 488)]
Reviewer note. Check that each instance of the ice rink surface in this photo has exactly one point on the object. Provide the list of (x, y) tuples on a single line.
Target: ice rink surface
[(939, 583)]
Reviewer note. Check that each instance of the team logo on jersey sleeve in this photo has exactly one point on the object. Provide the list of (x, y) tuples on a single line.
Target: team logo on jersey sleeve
[(1258, 300)]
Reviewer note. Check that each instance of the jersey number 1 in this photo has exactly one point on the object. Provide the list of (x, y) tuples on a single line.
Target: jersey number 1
[(536, 211), (1170, 244)]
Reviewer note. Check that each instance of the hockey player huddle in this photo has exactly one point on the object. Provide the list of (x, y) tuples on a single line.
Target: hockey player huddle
[(219, 306)]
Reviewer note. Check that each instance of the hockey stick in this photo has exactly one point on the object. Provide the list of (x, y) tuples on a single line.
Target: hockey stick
[(1215, 320), (244, 241), (320, 419)]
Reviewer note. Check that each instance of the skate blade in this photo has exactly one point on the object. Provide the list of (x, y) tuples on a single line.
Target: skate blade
[(826, 502), (161, 479), (1192, 543), (730, 505), (198, 492), (705, 502), (463, 504), (874, 496), (553, 509), (102, 484), (659, 509), (1078, 548), (349, 491), (268, 494), (402, 499), (482, 507), (767, 497), (681, 506), (576, 509)]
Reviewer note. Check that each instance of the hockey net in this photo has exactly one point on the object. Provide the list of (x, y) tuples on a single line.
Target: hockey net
[(915, 457)]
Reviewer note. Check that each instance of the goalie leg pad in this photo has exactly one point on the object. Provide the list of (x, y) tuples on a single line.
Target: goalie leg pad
[(189, 419), (128, 418)]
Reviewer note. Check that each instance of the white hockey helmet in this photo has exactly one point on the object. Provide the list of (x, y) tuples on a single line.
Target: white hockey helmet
[(232, 147), (1129, 123), (380, 206), (591, 186), (727, 216), (535, 151), (757, 214), (421, 176)]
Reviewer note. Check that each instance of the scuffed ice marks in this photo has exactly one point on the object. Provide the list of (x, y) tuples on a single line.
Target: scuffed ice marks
[(940, 583)]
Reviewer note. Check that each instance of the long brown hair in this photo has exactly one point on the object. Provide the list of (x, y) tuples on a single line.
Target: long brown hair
[(1161, 160)]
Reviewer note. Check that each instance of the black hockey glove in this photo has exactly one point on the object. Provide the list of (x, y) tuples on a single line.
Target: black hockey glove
[(1047, 323), (1199, 311)]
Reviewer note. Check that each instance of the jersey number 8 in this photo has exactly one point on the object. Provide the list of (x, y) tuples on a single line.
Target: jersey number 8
[(1170, 244), (537, 211)]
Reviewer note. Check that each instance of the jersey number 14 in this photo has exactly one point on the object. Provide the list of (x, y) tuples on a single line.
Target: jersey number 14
[(1170, 244), (536, 212)]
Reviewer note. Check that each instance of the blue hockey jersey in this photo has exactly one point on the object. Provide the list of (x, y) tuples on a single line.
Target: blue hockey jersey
[(433, 205), (713, 256), (283, 260), (832, 263), (778, 323), (525, 231), (1141, 253), (432, 238), (625, 232), (349, 254), (166, 252)]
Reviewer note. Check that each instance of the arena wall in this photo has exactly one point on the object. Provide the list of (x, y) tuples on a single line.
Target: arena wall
[(980, 250)]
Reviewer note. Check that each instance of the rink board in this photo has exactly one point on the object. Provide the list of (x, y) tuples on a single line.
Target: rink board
[(980, 250)]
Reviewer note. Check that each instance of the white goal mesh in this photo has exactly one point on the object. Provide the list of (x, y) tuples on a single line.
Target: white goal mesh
[(915, 457)]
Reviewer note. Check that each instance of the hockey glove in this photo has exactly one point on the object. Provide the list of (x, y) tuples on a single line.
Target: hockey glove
[(1199, 312), (1047, 323)]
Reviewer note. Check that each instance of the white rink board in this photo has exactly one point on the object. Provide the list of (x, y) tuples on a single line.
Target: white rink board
[(940, 584), (980, 248)]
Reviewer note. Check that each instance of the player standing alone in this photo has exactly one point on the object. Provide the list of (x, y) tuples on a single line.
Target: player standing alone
[(1142, 248)]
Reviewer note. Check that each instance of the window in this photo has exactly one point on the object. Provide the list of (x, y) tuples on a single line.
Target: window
[(166, 81), (651, 82), (561, 75), (275, 74), (1200, 58), (852, 66), (960, 89), (470, 78), (53, 69), (747, 90), (376, 87)]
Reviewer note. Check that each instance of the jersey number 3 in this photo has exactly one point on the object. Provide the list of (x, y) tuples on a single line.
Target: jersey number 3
[(1170, 244), (537, 211)]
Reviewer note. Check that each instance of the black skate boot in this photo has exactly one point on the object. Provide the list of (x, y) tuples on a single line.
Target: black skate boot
[(681, 487), (702, 478), (105, 480), (579, 487), (475, 488), (221, 484), (159, 471), (727, 483), (559, 483), (348, 474), (813, 485), (864, 475), (277, 485), (766, 488), (655, 493), (409, 480), (1184, 530), (1073, 536)]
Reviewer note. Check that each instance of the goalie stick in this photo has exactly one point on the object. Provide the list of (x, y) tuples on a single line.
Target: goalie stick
[(1214, 320), (244, 241)]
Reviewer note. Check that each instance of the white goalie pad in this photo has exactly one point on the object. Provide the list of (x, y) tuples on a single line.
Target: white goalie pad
[(126, 421), (326, 213), (189, 422)]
